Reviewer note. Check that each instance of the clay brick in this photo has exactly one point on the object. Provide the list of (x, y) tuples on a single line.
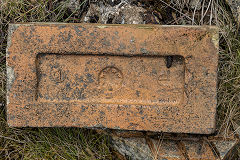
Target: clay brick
[(130, 77)]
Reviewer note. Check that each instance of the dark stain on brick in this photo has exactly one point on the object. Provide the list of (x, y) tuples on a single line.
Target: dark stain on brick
[(106, 42), (143, 51), (138, 93), (65, 37), (79, 30), (116, 109)]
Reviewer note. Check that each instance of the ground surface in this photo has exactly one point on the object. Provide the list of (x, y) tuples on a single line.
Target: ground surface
[(74, 143)]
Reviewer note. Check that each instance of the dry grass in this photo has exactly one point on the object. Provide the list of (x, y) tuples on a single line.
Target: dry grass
[(229, 74), (43, 143), (74, 143), (217, 12)]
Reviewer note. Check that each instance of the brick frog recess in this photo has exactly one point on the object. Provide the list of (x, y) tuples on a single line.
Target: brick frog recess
[(130, 77)]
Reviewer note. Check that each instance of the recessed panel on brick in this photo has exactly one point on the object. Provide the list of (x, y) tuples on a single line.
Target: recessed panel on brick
[(110, 79), (130, 77)]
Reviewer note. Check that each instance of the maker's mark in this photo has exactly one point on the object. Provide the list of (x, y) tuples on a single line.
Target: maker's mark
[(57, 75), (110, 79)]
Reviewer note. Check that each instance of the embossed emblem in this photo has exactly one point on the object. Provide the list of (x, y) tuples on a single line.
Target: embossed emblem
[(57, 75), (110, 79)]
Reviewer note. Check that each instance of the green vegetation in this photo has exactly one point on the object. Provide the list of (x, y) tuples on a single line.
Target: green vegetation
[(75, 143), (42, 143)]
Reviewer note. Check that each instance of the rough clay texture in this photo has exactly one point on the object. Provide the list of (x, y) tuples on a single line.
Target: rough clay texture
[(52, 80)]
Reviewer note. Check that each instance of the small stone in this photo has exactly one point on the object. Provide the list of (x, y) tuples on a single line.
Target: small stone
[(177, 147), (135, 148), (73, 5), (118, 12), (235, 7), (195, 4)]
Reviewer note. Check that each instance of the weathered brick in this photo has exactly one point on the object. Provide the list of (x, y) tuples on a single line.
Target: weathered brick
[(131, 77)]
